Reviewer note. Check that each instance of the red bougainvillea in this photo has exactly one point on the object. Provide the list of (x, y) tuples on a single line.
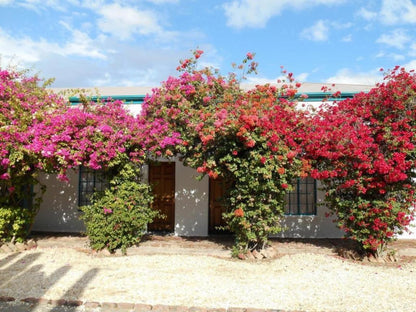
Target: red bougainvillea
[(364, 152), (246, 137)]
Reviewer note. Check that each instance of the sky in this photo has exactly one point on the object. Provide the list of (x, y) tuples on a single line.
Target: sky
[(85, 43)]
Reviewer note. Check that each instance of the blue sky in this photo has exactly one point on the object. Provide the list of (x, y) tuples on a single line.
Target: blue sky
[(127, 43)]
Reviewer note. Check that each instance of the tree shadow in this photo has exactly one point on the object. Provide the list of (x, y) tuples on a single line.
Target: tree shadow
[(8, 258), (13, 270), (76, 290), (25, 275)]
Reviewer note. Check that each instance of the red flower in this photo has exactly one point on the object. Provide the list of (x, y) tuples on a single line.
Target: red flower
[(250, 143), (239, 212), (234, 152), (263, 160), (284, 186), (213, 174), (250, 56)]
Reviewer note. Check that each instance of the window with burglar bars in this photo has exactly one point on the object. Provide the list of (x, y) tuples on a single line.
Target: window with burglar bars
[(90, 181), (302, 200)]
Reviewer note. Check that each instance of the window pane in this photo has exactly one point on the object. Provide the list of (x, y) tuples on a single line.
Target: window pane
[(90, 181), (302, 200)]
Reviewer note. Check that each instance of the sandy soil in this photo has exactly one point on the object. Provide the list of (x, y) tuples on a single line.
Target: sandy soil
[(192, 272)]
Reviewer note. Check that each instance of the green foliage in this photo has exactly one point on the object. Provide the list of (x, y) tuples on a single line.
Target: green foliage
[(24, 103), (118, 217), (248, 138), (18, 207)]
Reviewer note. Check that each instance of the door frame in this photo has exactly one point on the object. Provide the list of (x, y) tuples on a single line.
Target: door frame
[(170, 224)]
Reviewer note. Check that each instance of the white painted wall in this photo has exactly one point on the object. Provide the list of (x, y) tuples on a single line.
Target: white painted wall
[(59, 209), (317, 226), (191, 202)]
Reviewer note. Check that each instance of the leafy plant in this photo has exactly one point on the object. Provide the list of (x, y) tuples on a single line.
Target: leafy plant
[(363, 150), (118, 217), (246, 137)]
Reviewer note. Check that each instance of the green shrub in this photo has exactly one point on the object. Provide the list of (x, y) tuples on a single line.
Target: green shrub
[(118, 217), (18, 207)]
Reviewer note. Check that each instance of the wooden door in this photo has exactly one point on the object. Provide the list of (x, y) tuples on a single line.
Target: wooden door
[(162, 180), (217, 205)]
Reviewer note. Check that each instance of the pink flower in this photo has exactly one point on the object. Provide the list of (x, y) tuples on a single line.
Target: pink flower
[(5, 162), (5, 176), (250, 56)]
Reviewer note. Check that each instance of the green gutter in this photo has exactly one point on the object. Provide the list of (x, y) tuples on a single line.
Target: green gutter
[(320, 96), (138, 99), (127, 99)]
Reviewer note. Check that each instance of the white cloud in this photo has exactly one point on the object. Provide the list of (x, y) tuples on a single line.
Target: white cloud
[(257, 80), (302, 77), (17, 49), (6, 2), (412, 51), (123, 22), (391, 12), (347, 76), (317, 32), (410, 65), (396, 38), (163, 1), (367, 14), (398, 11), (248, 13), (394, 56), (27, 50), (39, 5)]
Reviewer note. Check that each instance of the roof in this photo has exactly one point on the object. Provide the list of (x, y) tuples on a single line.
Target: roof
[(136, 95)]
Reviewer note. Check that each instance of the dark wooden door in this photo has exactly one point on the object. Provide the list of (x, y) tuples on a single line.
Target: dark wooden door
[(217, 205), (162, 180)]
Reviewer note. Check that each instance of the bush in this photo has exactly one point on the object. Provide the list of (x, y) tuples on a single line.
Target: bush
[(118, 217), (18, 207)]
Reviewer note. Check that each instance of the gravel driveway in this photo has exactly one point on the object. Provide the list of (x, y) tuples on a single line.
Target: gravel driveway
[(304, 281)]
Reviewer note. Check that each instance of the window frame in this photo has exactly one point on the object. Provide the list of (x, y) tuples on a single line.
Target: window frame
[(84, 192), (297, 210)]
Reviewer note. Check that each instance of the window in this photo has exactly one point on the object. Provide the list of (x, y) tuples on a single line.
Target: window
[(90, 181), (302, 200)]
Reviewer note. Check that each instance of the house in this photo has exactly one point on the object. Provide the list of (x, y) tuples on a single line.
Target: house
[(192, 207)]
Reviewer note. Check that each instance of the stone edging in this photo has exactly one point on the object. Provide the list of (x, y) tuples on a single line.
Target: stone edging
[(130, 307)]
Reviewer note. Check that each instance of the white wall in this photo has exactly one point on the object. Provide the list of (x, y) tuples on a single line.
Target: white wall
[(191, 202), (59, 209), (317, 226)]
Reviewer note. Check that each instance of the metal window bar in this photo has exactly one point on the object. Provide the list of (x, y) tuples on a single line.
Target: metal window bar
[(302, 200), (90, 181)]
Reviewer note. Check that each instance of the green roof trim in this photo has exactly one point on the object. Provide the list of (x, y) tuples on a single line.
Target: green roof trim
[(139, 99), (127, 99), (320, 96)]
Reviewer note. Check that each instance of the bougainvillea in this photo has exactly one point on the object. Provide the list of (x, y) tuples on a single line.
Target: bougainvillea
[(97, 135), (104, 136), (23, 103), (118, 217), (39, 131), (364, 152), (241, 136)]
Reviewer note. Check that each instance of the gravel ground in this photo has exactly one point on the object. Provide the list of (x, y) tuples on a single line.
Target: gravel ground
[(300, 281)]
